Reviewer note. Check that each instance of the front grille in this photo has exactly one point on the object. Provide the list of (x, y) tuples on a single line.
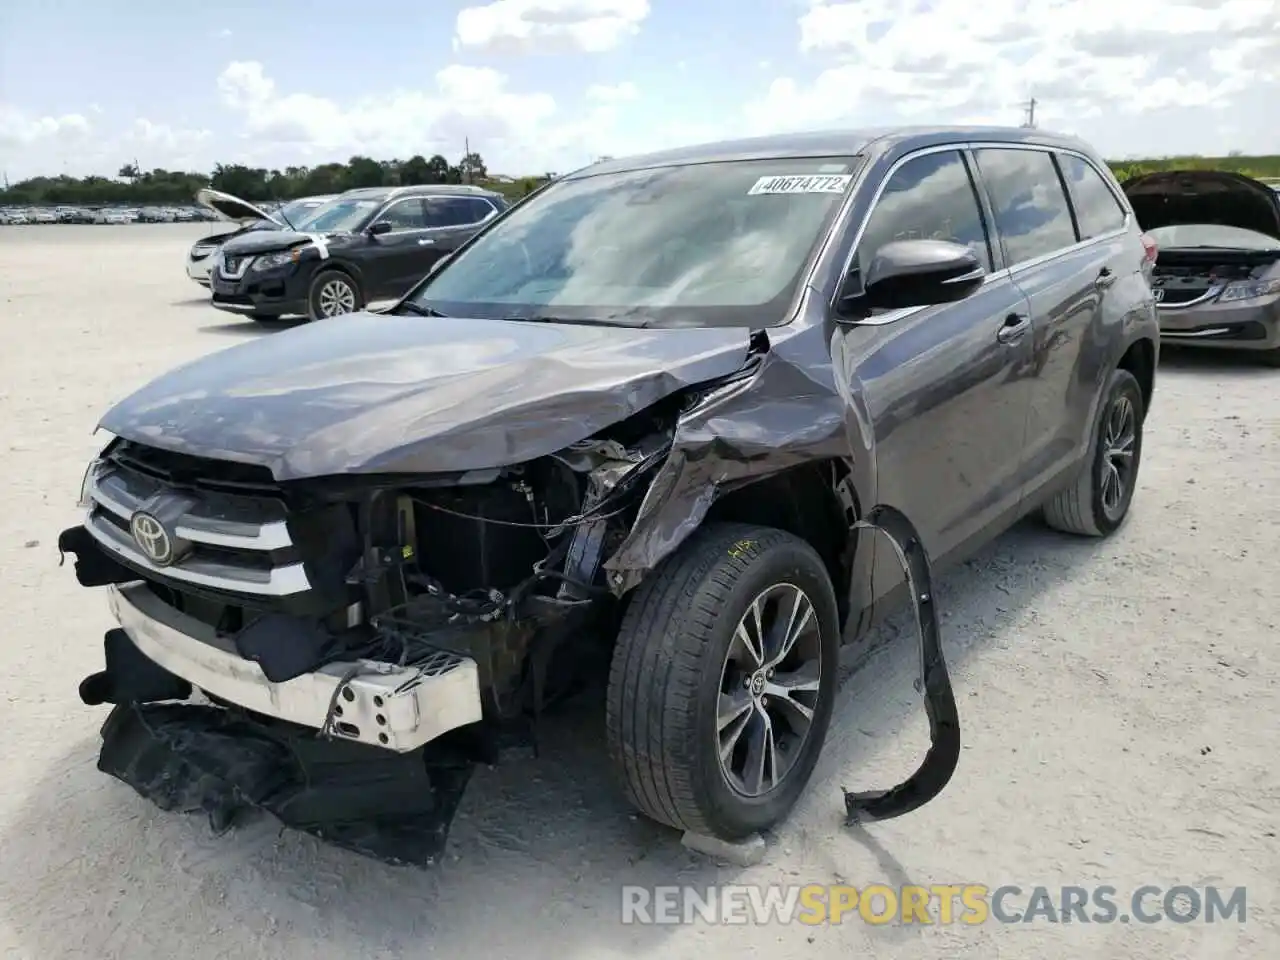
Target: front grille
[(222, 526)]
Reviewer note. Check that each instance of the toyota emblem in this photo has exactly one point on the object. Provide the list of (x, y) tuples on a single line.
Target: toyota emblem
[(152, 538)]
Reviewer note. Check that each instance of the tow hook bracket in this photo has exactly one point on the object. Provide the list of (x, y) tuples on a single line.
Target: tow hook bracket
[(939, 764)]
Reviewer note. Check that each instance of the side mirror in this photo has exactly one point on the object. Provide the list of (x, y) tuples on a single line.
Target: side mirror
[(379, 228), (917, 273)]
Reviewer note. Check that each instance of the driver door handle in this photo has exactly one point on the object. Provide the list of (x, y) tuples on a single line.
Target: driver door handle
[(425, 242), (1105, 278), (1014, 329)]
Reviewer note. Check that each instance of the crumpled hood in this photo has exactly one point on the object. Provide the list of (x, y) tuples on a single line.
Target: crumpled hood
[(268, 241), (1172, 198), (230, 207), (375, 393)]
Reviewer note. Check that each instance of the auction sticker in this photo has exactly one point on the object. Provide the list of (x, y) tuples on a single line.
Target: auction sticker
[(801, 183)]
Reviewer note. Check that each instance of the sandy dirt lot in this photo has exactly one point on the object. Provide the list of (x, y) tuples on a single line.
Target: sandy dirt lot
[(1119, 705)]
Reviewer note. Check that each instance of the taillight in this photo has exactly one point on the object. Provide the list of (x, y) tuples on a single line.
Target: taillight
[(1149, 248)]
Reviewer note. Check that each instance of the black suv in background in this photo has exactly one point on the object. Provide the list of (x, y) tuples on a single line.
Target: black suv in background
[(366, 244)]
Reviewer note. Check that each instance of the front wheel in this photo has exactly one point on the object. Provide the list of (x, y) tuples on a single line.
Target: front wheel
[(723, 680), (1098, 501), (332, 294)]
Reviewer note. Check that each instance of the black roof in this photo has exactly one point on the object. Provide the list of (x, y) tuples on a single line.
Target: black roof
[(830, 143), (422, 189)]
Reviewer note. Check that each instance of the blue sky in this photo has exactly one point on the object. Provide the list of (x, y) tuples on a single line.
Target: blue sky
[(548, 84)]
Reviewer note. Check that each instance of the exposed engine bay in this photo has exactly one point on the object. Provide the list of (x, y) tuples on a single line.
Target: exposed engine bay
[(1188, 276)]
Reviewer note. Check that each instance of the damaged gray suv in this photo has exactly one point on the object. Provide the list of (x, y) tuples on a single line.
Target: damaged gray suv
[(628, 431)]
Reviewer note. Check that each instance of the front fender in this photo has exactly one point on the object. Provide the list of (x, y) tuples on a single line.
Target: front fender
[(786, 413)]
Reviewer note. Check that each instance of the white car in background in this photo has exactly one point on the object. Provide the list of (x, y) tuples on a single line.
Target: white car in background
[(250, 217), (112, 216)]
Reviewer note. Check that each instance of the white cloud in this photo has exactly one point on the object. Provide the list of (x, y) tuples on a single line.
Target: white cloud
[(1090, 63), (472, 103), (21, 129), (548, 26), (73, 144)]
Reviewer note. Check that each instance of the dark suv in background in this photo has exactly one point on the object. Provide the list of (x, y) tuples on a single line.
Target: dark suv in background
[(365, 245)]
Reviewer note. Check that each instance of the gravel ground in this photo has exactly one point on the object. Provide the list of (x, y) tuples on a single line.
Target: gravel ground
[(1118, 703)]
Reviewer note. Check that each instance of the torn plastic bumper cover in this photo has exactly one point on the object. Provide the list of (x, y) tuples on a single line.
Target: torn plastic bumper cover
[(935, 772), (189, 758)]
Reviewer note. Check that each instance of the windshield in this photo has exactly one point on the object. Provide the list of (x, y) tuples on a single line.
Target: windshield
[(340, 215), (709, 244), (1190, 235), (299, 212)]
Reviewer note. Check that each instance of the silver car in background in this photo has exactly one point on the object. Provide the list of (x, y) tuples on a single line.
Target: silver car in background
[(1217, 271), (250, 216)]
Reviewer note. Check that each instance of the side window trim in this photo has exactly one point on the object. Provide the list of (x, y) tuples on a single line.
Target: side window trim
[(857, 231), (970, 168), (463, 226), (995, 244), (967, 147), (1120, 200), (1015, 268), (994, 250), (1055, 158)]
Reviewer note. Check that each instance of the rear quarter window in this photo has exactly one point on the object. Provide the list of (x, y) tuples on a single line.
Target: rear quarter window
[(1030, 205), (1097, 209)]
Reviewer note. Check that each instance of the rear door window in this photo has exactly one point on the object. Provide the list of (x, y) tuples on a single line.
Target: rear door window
[(1097, 209), (456, 211), (1030, 205), (930, 197)]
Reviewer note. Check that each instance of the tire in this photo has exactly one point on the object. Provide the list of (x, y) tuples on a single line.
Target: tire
[(673, 656), (330, 282), (1088, 507), (1271, 358)]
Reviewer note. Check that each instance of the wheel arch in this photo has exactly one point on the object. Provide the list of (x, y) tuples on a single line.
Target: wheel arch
[(815, 502), (1140, 359), (342, 266)]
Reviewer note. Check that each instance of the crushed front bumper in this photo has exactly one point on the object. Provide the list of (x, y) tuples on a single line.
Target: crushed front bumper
[(374, 760), (385, 705)]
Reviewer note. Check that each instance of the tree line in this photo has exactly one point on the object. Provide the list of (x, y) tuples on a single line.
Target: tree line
[(159, 186), (134, 186)]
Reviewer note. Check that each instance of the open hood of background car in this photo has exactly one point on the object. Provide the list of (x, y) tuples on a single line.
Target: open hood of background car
[(231, 208), (1174, 198), (367, 393)]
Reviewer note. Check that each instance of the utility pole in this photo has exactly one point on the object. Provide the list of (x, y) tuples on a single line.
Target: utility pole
[(466, 157), (1030, 121)]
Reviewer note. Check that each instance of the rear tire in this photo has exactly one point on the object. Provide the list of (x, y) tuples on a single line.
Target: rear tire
[(332, 294), (684, 682), (1096, 504)]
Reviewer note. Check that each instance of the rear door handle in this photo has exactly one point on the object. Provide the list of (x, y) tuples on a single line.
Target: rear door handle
[(425, 242), (1105, 278), (1015, 327)]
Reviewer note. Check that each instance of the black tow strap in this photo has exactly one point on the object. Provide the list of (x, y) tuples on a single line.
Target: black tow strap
[(940, 762)]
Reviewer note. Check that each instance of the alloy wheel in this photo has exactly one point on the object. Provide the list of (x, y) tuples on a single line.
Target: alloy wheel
[(336, 297), (768, 690), (1119, 446)]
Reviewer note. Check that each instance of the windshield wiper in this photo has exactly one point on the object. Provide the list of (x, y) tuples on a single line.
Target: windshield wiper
[(418, 310), (609, 321)]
